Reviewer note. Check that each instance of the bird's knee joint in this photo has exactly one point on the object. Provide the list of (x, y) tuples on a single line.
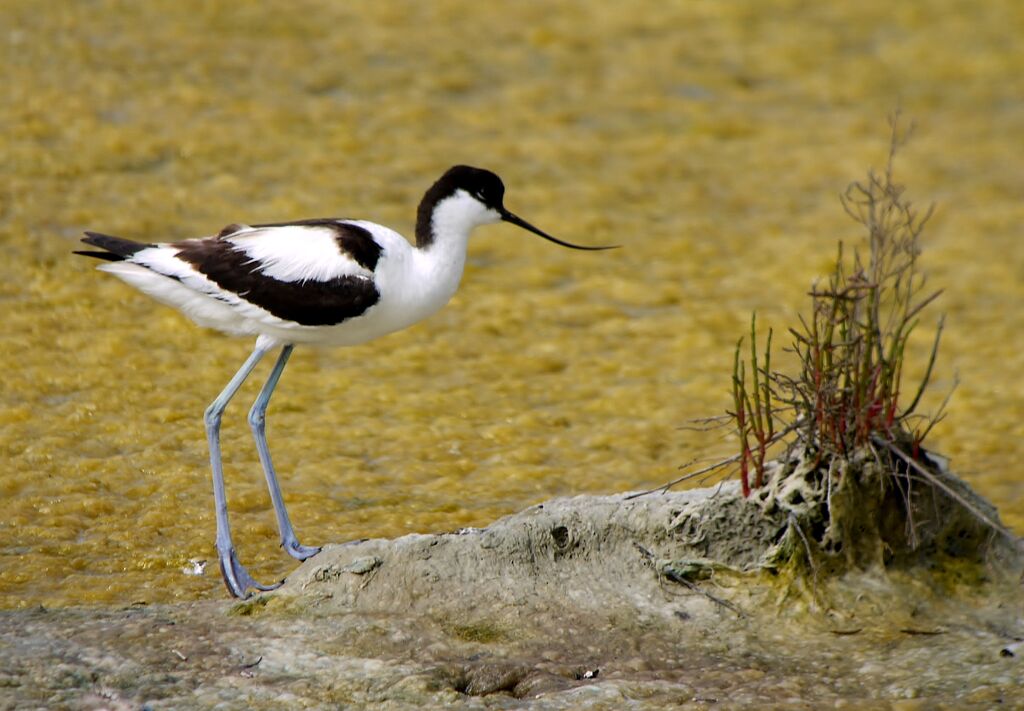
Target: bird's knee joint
[(257, 418), (212, 418)]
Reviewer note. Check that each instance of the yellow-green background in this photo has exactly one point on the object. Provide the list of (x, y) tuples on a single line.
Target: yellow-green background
[(709, 138)]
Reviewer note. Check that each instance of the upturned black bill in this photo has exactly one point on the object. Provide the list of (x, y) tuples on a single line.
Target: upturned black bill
[(520, 222)]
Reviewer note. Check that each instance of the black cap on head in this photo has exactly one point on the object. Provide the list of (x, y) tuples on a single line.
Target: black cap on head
[(482, 184)]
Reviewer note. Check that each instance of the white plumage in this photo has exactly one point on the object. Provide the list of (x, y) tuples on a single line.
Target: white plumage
[(321, 282), (296, 253)]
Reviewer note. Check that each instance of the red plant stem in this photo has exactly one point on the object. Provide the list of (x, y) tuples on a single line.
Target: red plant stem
[(890, 413)]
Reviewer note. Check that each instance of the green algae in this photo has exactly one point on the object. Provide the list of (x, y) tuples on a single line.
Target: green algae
[(250, 607), (482, 631)]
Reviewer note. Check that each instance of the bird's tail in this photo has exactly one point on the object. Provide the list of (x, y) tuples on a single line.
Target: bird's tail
[(115, 249)]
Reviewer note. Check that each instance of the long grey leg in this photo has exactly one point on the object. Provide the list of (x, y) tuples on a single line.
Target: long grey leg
[(258, 420), (236, 577)]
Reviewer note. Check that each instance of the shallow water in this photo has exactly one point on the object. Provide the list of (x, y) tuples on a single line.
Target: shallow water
[(709, 139)]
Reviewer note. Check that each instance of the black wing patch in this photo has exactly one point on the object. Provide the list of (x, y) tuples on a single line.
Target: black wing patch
[(353, 240), (309, 303)]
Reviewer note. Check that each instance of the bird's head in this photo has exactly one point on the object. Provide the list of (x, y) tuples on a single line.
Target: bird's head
[(478, 196)]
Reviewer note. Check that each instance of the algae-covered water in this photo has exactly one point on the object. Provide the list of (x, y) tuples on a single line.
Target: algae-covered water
[(709, 139)]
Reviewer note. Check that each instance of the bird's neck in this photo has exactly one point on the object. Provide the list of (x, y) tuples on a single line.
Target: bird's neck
[(449, 218), (425, 226), (442, 237)]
